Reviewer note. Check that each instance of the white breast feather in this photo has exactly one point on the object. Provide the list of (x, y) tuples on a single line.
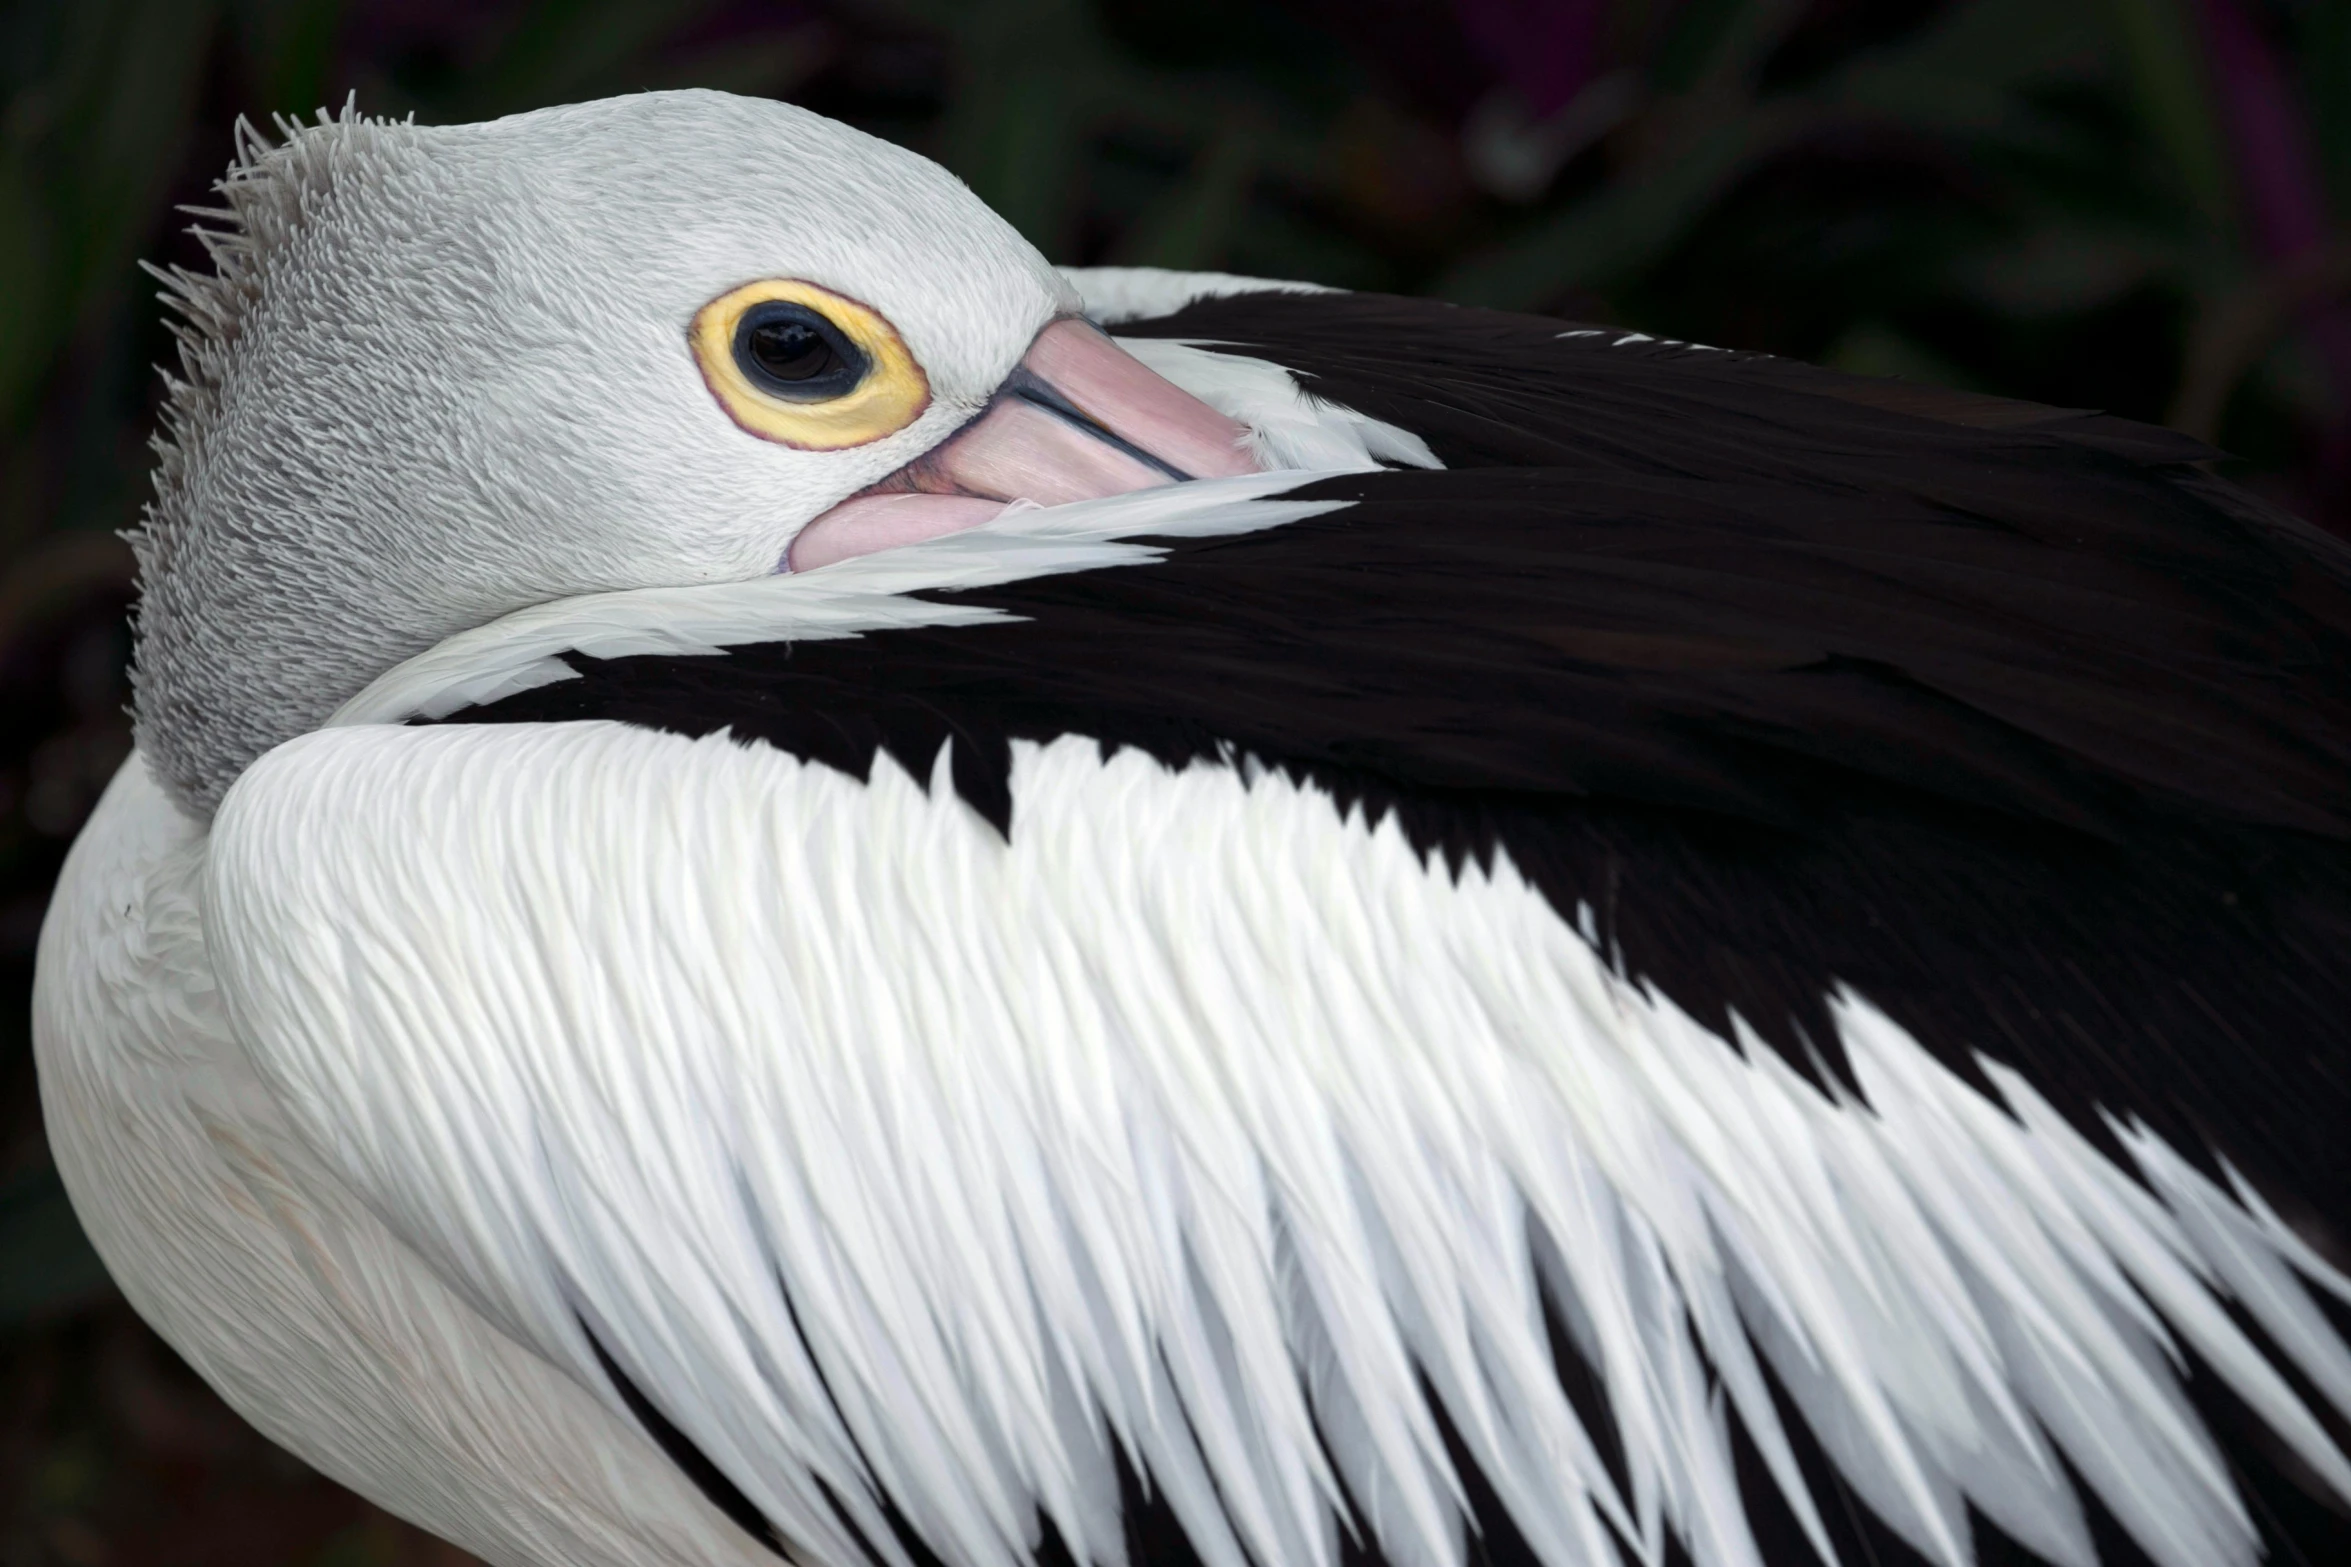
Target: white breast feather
[(883, 1152), (276, 1281)]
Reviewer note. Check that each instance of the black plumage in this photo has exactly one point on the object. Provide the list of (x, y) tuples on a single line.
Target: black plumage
[(2015, 720)]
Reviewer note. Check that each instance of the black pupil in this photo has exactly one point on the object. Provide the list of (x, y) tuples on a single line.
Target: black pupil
[(791, 350)]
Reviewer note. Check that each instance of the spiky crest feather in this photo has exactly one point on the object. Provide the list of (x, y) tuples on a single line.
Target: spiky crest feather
[(269, 191), (267, 188)]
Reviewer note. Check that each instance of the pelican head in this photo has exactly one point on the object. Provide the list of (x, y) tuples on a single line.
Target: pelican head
[(444, 373)]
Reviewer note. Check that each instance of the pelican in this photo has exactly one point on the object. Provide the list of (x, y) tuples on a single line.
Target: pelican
[(795, 887)]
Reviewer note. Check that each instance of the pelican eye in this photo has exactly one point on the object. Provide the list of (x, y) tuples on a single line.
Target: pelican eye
[(788, 350), (795, 363)]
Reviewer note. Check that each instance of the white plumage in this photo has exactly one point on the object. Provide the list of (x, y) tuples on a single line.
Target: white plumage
[(1206, 1127)]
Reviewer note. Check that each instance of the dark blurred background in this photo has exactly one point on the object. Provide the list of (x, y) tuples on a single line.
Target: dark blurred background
[(2136, 205)]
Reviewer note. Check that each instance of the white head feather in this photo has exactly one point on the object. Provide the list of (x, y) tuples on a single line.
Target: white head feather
[(443, 374)]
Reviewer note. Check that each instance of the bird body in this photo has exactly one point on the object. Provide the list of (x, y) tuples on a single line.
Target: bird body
[(1593, 948)]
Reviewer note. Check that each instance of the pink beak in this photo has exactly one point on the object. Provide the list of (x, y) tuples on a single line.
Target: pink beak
[(1079, 418)]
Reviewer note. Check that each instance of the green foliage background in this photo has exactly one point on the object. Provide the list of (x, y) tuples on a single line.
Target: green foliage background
[(2127, 204)]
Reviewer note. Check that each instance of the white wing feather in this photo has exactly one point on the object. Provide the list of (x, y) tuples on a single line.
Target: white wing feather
[(893, 1159), (1117, 294)]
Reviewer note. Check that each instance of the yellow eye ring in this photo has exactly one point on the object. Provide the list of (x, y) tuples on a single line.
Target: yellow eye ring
[(850, 378)]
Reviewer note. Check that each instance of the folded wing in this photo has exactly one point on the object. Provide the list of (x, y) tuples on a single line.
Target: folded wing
[(1778, 943)]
